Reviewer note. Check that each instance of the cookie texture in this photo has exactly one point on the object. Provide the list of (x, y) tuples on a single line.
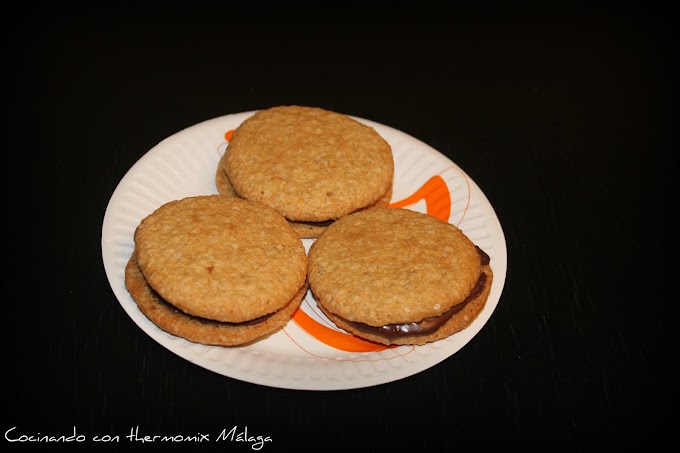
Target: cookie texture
[(378, 271), (201, 330), (307, 163), (457, 322), (303, 229), (220, 258), (222, 183)]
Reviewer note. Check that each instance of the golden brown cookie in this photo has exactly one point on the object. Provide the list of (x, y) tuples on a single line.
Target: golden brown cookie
[(303, 229), (216, 259), (201, 330), (308, 164), (396, 276), (222, 182)]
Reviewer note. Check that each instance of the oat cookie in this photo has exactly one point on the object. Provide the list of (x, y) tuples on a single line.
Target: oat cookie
[(202, 330), (396, 276), (222, 182), (217, 259), (303, 229), (309, 164)]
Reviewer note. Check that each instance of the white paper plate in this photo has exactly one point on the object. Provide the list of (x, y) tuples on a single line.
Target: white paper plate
[(309, 353)]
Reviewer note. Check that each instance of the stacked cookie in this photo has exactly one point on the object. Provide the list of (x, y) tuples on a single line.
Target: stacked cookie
[(217, 270), (311, 165), (231, 269), (396, 276)]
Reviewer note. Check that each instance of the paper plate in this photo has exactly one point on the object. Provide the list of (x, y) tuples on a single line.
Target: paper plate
[(309, 353)]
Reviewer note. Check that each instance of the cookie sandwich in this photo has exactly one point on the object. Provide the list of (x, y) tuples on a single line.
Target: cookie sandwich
[(396, 276), (217, 270), (311, 165)]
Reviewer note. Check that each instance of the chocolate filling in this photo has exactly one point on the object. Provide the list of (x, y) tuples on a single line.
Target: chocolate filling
[(428, 325), (483, 256), (200, 319), (315, 224)]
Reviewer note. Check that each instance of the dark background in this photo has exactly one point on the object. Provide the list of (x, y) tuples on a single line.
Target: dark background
[(561, 116)]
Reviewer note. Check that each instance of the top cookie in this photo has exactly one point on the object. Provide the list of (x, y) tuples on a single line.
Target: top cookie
[(220, 258), (384, 266), (303, 229), (308, 164)]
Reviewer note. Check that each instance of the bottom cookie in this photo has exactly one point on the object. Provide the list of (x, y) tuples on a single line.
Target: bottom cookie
[(201, 330)]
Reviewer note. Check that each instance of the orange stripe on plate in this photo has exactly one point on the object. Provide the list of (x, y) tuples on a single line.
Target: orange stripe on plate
[(437, 198), (333, 338)]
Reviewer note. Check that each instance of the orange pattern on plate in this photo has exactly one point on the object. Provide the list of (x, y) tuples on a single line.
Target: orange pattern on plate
[(331, 337), (437, 198)]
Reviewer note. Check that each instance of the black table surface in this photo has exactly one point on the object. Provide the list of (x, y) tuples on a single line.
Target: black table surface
[(562, 118)]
